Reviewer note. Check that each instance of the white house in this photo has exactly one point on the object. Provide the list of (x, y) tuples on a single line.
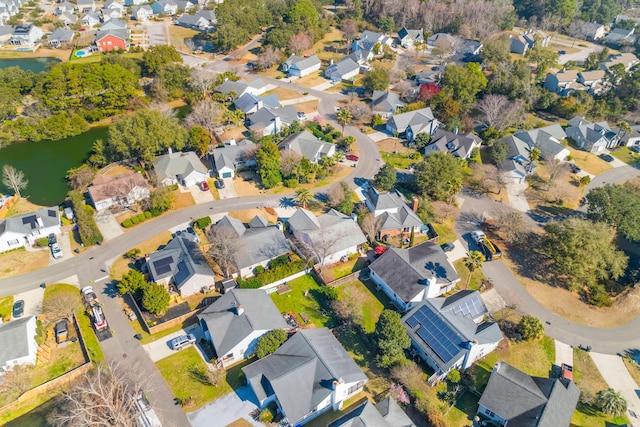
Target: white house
[(180, 168), (232, 157), (270, 121), (451, 333), (593, 137), (346, 69), (299, 66), (90, 19), (326, 238), (26, 229), (307, 146), (85, 6), (235, 322), (18, 346), (409, 38), (308, 375), (142, 13), (457, 145), (240, 87), (125, 190), (412, 123), (26, 35)]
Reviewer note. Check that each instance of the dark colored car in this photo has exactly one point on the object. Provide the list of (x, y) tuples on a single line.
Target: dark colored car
[(562, 52), (52, 239), (220, 183), (352, 157), (574, 168), (606, 157), (18, 309), (448, 247)]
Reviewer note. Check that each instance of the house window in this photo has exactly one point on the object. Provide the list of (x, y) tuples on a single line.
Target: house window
[(355, 388), (13, 242), (489, 412), (109, 42)]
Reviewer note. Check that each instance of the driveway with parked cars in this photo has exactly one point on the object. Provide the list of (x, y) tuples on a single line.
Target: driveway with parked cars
[(227, 190), (161, 348), (199, 195)]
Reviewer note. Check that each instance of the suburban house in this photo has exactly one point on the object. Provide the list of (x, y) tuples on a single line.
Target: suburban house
[(409, 276), (67, 18), (471, 47), (515, 398), (230, 158), (180, 168), (629, 139), (413, 123), (250, 103), (409, 38), (546, 139), (443, 41), (346, 69), (621, 36), (629, 60), (362, 57), (60, 37), (167, 7), (515, 170), (593, 137), (240, 87), (181, 264), (394, 215), (109, 14), (385, 103), (270, 121), (90, 19), (142, 13), (565, 82), (85, 6), (235, 322), (112, 40), (326, 238), (259, 243), (125, 190), (460, 146), (114, 5), (65, 6), (430, 75), (593, 31), (26, 35), (130, 3), (18, 344), (308, 375), (201, 20), (387, 413), (307, 146), (369, 40), (451, 333), (25, 229), (518, 44), (114, 24), (298, 66)]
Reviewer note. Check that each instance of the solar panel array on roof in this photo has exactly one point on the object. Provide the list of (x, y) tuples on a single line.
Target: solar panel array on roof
[(472, 307), (437, 334), (52, 213), (31, 220), (163, 266), (182, 274)]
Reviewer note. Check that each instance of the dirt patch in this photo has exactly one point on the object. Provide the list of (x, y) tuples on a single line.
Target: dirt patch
[(284, 94), (238, 133), (541, 194), (246, 183), (394, 145), (307, 107), (116, 170), (23, 206), (247, 215), (20, 262), (121, 265)]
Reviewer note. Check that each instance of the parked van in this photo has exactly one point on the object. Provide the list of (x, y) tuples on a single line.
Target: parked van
[(183, 341)]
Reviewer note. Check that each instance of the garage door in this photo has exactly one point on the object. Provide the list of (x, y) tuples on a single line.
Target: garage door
[(227, 175)]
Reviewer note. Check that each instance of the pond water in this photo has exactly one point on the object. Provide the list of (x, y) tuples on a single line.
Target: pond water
[(33, 64), (45, 164)]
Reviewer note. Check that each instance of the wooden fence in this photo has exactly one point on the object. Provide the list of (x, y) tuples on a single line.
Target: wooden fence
[(4, 210)]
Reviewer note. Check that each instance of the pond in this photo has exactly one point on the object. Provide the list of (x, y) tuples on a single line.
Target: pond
[(33, 64), (45, 164)]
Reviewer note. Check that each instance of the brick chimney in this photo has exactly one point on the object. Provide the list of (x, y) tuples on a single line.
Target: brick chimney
[(414, 204)]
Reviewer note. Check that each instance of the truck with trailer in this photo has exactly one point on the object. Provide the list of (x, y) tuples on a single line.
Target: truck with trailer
[(489, 249), (96, 313)]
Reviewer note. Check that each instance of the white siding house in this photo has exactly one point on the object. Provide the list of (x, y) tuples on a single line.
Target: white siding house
[(23, 230), (18, 345)]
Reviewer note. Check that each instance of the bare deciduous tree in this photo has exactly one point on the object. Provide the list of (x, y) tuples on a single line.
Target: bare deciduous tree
[(404, 88), (335, 195), (164, 109), (225, 245), (500, 113), (349, 31), (299, 42), (289, 159), (555, 168), (62, 304), (349, 306), (106, 396), (511, 223), (493, 176), (321, 245), (14, 179), (370, 227), (81, 177), (267, 58), (205, 113), (213, 376), (559, 190), (15, 382), (202, 80)]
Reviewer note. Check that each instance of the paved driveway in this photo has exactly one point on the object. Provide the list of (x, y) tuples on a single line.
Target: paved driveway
[(65, 244), (616, 375), (201, 196), (158, 33), (229, 190), (227, 409), (564, 354), (517, 198), (457, 253), (108, 224), (32, 301), (161, 348)]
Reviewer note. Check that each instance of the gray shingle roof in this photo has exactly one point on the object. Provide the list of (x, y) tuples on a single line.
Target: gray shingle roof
[(14, 340), (174, 164), (301, 372), (385, 101), (265, 116), (342, 68), (457, 144), (228, 328), (528, 401), (302, 63), (183, 259), (307, 145), (405, 270), (26, 223), (387, 413), (61, 34), (423, 117), (230, 155), (248, 101), (399, 215)]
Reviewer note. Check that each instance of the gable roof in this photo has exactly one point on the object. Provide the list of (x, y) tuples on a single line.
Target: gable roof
[(173, 164), (180, 259), (240, 86), (62, 34), (120, 34), (107, 187), (384, 100), (266, 115), (114, 24), (543, 138), (301, 372), (248, 101), (410, 34), (26, 223), (529, 401), (14, 339), (302, 63), (387, 413), (306, 144), (346, 66), (398, 215), (228, 328), (410, 118), (456, 144), (405, 271), (230, 155)]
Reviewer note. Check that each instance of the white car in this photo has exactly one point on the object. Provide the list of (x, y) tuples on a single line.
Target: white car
[(56, 251), (181, 342)]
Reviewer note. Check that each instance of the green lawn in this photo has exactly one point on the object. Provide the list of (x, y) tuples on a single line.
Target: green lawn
[(477, 277), (626, 155), (344, 268), (371, 306), (304, 297), (462, 413), (399, 160), (90, 339), (446, 232), (6, 305)]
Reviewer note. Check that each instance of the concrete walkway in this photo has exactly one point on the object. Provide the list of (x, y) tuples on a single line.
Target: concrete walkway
[(564, 354), (517, 198), (323, 86), (229, 190), (379, 136), (615, 373), (299, 100), (224, 411)]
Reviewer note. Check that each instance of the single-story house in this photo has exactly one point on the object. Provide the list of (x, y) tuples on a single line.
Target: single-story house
[(409, 276), (409, 38), (240, 87), (593, 137), (18, 346), (518, 44), (230, 158), (451, 333), (182, 264), (299, 66), (67, 18), (26, 35), (201, 20), (308, 375), (258, 244), (126, 189), (180, 168), (629, 60), (235, 322), (629, 139), (307, 146), (621, 36), (394, 215), (346, 69), (514, 398), (250, 103), (60, 37), (457, 145), (387, 413), (413, 123), (85, 6), (112, 40), (592, 30), (326, 238), (270, 121), (443, 40), (142, 13), (369, 40), (20, 230), (385, 103)]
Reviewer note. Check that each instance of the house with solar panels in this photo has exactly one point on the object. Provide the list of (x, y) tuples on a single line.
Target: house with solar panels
[(451, 333), (23, 230), (181, 264), (409, 276)]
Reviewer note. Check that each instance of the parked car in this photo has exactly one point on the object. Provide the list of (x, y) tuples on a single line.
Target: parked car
[(606, 157), (18, 309), (448, 247), (574, 168), (562, 52), (68, 213), (56, 251), (302, 116), (220, 183), (635, 148), (204, 186), (183, 341), (52, 239), (352, 157)]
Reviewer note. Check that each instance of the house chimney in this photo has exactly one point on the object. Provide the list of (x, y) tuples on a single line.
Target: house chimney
[(239, 309), (337, 383), (414, 204), (39, 221)]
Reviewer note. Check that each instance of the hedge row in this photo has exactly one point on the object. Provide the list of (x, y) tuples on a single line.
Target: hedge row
[(137, 219), (86, 225), (274, 274)]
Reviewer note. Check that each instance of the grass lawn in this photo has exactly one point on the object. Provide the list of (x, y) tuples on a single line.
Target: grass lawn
[(633, 369), (314, 79), (371, 305), (462, 413), (21, 207), (62, 360), (341, 269), (121, 265), (90, 339), (6, 305), (21, 261), (284, 94), (589, 161), (303, 297), (30, 413), (477, 277), (182, 200), (626, 155), (179, 34), (445, 230), (399, 160)]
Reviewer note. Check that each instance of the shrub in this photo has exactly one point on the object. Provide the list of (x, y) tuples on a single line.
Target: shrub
[(155, 298), (42, 242), (330, 294), (141, 217), (266, 416), (134, 220), (282, 271), (203, 222), (270, 342), (277, 262), (133, 253), (291, 183), (127, 223), (530, 327), (252, 283), (147, 215), (258, 270)]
